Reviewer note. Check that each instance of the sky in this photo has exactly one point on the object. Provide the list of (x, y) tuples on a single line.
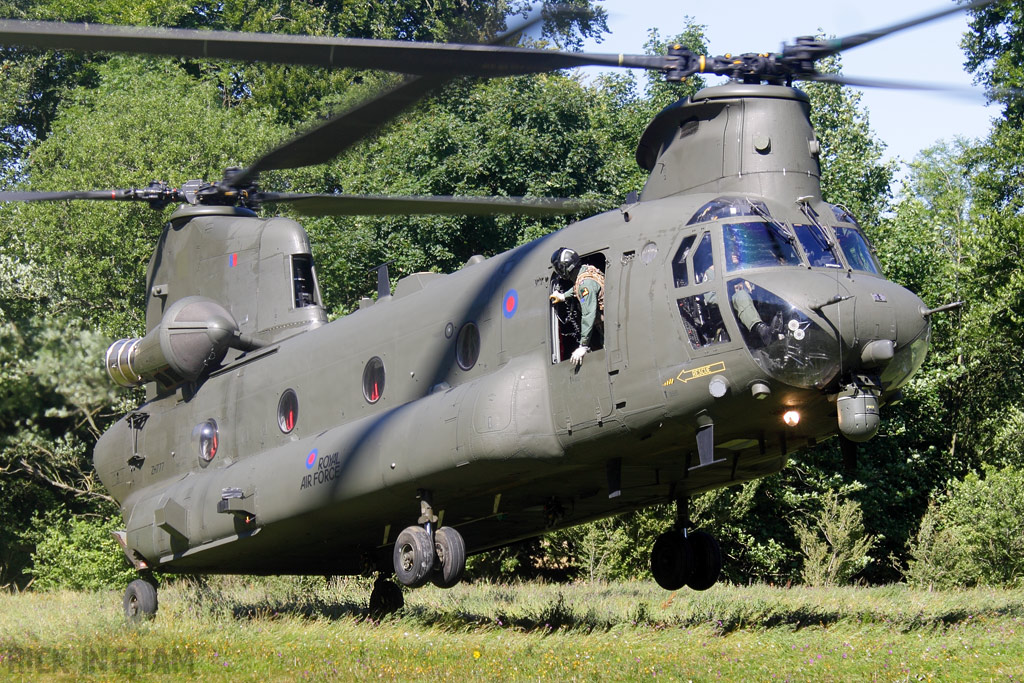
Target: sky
[(905, 121)]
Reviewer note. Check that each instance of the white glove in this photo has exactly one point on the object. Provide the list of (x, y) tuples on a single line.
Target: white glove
[(577, 356), (557, 297)]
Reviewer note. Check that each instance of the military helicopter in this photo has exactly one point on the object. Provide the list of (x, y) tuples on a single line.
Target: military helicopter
[(744, 318)]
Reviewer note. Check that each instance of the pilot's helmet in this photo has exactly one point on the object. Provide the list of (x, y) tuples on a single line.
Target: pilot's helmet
[(565, 262)]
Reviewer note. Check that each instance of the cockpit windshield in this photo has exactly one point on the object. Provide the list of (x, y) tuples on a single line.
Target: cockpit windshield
[(855, 247), (819, 248), (758, 245)]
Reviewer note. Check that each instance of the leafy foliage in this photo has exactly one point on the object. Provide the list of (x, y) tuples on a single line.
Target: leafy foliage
[(52, 398), (973, 534), (833, 542), (77, 553)]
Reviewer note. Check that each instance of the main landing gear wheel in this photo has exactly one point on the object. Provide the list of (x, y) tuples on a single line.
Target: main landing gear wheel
[(671, 561), (140, 600), (450, 557), (385, 598), (413, 556), (694, 560), (707, 560)]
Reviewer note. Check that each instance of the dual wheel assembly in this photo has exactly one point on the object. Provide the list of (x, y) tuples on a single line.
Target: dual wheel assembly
[(419, 559), (691, 559)]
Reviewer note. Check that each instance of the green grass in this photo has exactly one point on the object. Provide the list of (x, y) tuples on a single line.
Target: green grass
[(234, 628)]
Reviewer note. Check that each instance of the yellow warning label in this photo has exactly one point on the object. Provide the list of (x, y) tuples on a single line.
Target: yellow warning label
[(696, 373)]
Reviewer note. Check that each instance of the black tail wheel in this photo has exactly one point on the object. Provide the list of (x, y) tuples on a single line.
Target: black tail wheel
[(671, 561), (140, 600), (413, 556), (707, 560), (450, 560)]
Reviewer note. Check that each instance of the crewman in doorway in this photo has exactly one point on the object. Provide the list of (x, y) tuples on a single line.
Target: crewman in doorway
[(588, 288)]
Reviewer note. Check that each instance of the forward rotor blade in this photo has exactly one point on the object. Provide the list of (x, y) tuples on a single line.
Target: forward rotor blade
[(374, 205), (837, 45), (324, 142), (422, 59)]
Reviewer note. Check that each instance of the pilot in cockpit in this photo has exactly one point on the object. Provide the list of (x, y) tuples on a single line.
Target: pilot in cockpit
[(747, 314)]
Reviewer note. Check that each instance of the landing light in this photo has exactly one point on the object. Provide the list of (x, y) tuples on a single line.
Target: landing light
[(791, 418)]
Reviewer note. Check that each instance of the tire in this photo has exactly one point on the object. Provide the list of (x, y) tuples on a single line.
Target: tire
[(140, 601), (670, 560), (707, 560), (413, 556), (449, 557)]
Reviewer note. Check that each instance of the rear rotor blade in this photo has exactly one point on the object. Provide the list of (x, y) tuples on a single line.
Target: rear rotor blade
[(372, 205), (440, 59)]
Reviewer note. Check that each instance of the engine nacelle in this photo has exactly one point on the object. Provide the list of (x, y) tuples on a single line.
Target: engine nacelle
[(194, 334)]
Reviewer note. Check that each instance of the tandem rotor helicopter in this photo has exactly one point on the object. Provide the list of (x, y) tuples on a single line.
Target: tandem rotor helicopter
[(743, 318)]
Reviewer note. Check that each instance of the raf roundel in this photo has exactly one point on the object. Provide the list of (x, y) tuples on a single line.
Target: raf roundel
[(511, 303), (311, 459)]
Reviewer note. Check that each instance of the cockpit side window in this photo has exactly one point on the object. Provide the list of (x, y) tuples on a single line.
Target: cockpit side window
[(701, 315), (758, 245), (702, 319), (679, 272), (703, 263)]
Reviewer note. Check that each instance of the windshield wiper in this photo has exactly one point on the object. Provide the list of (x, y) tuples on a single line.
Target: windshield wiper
[(780, 228), (820, 236)]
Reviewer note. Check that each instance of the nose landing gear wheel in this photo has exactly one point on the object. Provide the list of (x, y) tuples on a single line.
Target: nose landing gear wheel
[(140, 600), (707, 560), (450, 560), (671, 560), (413, 556)]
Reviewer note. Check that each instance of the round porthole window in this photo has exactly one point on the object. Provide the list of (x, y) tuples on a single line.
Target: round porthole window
[(287, 411), (373, 379), (204, 436), (467, 346)]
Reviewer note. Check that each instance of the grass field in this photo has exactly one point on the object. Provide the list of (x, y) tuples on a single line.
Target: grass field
[(234, 628)]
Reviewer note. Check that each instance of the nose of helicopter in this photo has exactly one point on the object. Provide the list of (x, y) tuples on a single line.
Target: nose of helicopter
[(885, 332), (883, 329), (858, 338)]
